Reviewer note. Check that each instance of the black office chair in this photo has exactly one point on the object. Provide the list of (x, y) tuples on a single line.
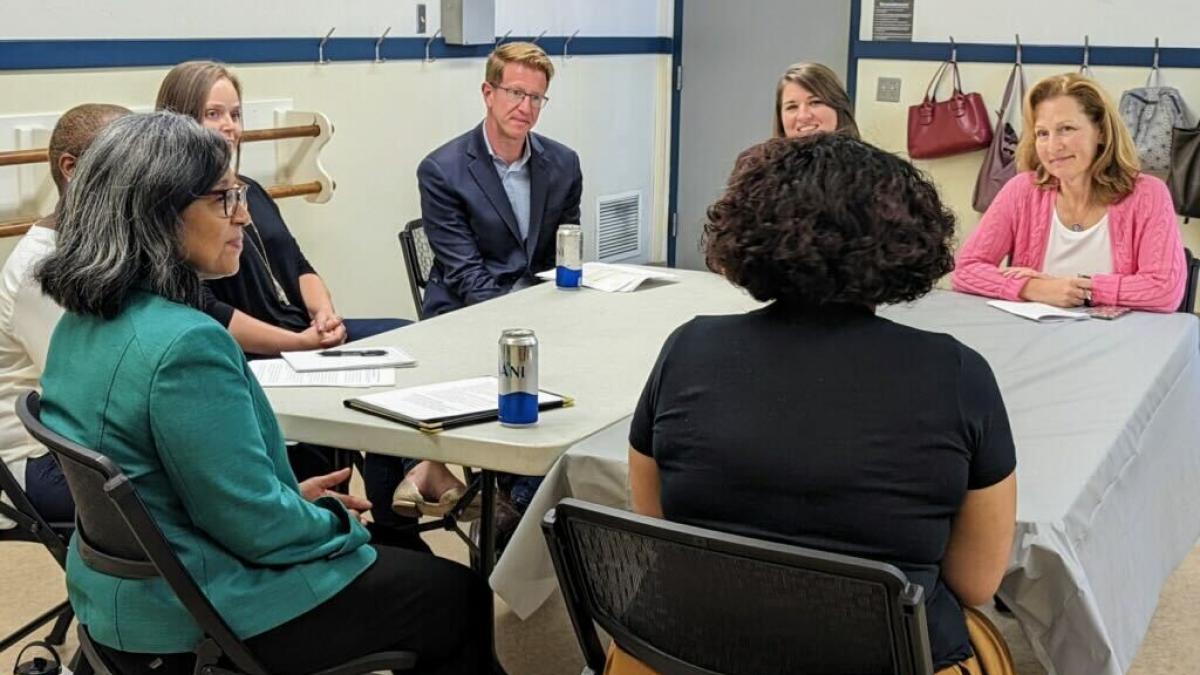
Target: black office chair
[(31, 527), (690, 601), (116, 535), (418, 259), (1193, 274)]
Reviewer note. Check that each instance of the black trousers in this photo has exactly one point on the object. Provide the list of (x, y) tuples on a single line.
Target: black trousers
[(406, 601)]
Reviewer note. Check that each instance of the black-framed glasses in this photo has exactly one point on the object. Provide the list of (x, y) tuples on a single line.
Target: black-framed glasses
[(231, 198), (517, 95)]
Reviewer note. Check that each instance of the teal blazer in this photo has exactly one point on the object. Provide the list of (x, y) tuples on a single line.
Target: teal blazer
[(164, 391)]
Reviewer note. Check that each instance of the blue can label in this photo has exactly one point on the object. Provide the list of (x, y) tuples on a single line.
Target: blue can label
[(565, 277), (518, 408)]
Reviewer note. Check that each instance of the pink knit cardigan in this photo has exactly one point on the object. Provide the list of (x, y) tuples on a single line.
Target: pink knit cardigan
[(1149, 272)]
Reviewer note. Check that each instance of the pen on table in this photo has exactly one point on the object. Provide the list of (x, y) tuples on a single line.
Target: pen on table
[(353, 352)]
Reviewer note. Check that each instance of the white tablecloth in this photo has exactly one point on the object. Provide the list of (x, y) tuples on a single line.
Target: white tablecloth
[(1106, 419)]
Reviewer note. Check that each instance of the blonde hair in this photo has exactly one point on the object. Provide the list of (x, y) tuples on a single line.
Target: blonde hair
[(524, 53), (823, 83), (1115, 168)]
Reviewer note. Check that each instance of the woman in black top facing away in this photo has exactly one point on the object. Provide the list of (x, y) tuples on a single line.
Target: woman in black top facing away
[(814, 422)]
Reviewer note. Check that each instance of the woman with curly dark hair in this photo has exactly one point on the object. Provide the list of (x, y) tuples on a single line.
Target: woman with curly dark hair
[(814, 422)]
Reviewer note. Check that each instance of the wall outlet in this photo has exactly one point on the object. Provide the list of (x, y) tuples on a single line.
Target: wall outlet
[(888, 89), (421, 18)]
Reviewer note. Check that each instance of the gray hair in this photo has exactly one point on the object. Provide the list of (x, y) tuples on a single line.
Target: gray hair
[(120, 223)]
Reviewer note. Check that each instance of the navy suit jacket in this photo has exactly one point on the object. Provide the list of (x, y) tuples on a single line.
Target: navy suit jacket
[(477, 247)]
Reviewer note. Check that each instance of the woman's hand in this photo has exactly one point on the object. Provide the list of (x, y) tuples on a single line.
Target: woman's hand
[(322, 486), (1058, 291), (330, 327)]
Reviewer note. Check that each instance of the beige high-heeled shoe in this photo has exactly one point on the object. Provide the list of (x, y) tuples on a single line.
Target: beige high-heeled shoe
[(408, 501)]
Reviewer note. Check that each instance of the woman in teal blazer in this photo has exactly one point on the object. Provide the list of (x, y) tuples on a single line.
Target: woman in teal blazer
[(137, 373)]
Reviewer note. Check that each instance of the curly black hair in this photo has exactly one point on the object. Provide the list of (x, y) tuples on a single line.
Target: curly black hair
[(829, 219)]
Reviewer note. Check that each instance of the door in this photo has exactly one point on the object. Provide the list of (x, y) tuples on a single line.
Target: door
[(733, 54)]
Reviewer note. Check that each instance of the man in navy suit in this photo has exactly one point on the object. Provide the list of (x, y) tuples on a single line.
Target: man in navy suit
[(493, 198)]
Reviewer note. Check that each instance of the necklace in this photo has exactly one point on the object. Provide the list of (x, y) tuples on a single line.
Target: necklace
[(1077, 227), (261, 249)]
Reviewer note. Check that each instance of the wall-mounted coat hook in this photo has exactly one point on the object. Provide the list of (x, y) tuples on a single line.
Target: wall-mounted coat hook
[(500, 40), (953, 50), (321, 60), (429, 43), (1018, 36), (1085, 68), (379, 45), (1156, 53), (539, 37), (567, 45)]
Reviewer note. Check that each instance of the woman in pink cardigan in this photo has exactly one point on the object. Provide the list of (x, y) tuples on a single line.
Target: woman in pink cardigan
[(1081, 225)]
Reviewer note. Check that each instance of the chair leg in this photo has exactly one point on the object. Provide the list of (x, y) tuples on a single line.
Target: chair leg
[(59, 632)]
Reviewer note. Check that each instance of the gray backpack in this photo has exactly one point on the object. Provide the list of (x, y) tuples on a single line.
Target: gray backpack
[(1151, 112)]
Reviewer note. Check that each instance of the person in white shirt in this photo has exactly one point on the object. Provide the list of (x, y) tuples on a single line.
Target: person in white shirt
[(28, 318)]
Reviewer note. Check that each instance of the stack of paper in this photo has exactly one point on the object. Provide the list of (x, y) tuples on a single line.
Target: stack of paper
[(434, 407), (1037, 311), (615, 278), (277, 373)]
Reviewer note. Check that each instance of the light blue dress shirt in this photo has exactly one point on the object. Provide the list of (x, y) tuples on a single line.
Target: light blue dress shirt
[(516, 181)]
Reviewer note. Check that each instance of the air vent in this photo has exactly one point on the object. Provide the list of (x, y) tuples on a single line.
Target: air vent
[(619, 226)]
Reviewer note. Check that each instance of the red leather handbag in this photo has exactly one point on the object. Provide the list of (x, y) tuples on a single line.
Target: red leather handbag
[(942, 128)]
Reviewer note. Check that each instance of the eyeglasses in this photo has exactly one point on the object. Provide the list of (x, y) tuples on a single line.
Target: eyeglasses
[(231, 198), (516, 96)]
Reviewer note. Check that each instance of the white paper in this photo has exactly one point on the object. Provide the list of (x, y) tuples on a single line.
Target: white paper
[(444, 399), (613, 278), (1037, 311), (277, 373), (308, 362)]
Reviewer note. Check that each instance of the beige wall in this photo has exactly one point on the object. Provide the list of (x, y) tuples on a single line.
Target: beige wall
[(613, 110), (885, 124)]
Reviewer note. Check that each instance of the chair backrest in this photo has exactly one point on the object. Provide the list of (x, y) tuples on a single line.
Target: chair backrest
[(116, 534), (418, 260), (1193, 274), (687, 600)]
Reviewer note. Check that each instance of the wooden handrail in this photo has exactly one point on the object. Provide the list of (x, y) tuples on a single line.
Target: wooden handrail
[(13, 157), (36, 155), (19, 226)]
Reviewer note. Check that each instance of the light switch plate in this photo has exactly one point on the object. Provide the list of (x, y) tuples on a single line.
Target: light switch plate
[(888, 90)]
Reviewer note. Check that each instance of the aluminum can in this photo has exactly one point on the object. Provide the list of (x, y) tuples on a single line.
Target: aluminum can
[(568, 271), (518, 376)]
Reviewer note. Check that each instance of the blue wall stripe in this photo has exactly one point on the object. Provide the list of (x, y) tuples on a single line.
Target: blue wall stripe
[(1169, 57), (45, 54)]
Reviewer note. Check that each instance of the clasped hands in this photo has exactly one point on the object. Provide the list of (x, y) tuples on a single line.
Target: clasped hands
[(322, 486), (1051, 290), (326, 329)]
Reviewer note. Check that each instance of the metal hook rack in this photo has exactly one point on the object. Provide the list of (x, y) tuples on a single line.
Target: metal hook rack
[(1018, 36), (379, 45), (567, 45), (539, 37), (429, 43), (1155, 66), (953, 50), (1087, 52), (321, 60), (500, 40)]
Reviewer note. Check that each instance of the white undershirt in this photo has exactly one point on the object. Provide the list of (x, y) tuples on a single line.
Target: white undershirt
[(1070, 253)]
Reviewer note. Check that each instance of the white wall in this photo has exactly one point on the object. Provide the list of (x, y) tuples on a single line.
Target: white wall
[(67, 19), (1055, 22)]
